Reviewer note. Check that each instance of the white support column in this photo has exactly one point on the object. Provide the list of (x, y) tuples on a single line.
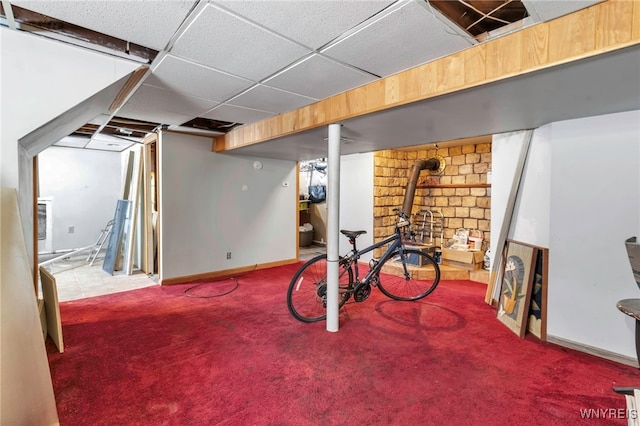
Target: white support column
[(333, 223)]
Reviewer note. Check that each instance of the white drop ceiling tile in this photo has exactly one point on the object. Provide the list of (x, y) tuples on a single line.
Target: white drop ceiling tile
[(236, 114), (196, 80), (319, 78), (164, 106), (224, 42), (148, 23), (100, 119), (408, 37), (316, 22), (72, 142), (547, 10), (163, 117), (108, 143), (269, 99)]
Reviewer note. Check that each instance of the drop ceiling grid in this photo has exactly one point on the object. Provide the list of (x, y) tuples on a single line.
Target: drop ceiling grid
[(319, 77), (547, 10), (108, 143), (409, 36), (219, 40), (254, 40), (72, 142), (236, 114), (164, 106), (148, 23), (101, 146), (196, 80), (266, 98), (316, 22)]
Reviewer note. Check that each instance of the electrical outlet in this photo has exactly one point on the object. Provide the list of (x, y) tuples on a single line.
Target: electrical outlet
[(72, 229), (228, 255)]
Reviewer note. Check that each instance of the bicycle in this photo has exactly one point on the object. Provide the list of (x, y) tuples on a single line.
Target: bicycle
[(403, 279)]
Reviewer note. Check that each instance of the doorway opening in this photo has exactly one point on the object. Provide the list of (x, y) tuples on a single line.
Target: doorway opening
[(77, 192), (312, 208)]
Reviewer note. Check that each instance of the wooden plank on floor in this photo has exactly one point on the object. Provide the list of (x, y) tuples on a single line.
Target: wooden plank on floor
[(52, 308), (136, 183)]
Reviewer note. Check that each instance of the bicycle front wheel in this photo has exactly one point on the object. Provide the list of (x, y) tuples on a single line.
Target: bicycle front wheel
[(307, 294), (408, 274)]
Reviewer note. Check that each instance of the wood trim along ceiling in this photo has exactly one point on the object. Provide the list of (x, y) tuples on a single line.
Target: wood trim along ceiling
[(599, 29)]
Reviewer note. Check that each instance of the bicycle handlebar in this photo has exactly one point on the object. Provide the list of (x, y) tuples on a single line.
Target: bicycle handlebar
[(403, 218)]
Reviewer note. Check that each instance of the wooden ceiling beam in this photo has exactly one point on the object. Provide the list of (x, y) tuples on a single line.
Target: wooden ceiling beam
[(599, 29)]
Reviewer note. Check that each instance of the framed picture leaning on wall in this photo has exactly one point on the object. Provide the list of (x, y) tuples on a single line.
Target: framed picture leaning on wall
[(537, 322), (515, 292)]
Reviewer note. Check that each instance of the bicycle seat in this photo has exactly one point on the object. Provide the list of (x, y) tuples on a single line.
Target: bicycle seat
[(352, 234)]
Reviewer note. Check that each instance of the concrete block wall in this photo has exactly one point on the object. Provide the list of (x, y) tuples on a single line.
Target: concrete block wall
[(468, 208)]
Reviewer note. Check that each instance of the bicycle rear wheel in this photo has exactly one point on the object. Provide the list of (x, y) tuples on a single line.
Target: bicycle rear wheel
[(402, 279), (307, 294)]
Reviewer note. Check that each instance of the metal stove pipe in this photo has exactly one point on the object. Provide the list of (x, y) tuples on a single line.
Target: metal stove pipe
[(432, 164)]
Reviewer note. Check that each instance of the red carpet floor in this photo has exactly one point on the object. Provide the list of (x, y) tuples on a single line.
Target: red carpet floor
[(156, 357)]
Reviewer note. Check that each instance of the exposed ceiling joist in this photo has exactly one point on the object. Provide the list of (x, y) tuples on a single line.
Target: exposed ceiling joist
[(39, 23), (481, 16)]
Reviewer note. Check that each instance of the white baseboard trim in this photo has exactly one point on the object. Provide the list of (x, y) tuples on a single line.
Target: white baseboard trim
[(611, 356)]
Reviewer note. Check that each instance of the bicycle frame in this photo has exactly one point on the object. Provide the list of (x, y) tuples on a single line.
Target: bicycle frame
[(404, 282), (355, 254)]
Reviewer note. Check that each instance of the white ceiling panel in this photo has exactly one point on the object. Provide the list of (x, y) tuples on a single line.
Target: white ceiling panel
[(164, 106), (545, 10), (196, 80), (221, 41), (72, 142), (147, 23), (316, 21), (269, 99), (409, 36), (108, 143), (236, 114), (100, 119), (136, 112), (577, 89), (319, 77)]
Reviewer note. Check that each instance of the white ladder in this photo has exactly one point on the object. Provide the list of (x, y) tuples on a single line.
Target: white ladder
[(104, 235)]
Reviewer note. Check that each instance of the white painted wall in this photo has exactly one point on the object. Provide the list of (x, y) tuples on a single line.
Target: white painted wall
[(84, 186), (205, 212), (356, 199), (532, 207), (580, 197), (32, 95), (595, 206), (39, 80), (530, 221)]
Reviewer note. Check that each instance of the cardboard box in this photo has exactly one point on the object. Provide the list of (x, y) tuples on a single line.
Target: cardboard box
[(469, 260)]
